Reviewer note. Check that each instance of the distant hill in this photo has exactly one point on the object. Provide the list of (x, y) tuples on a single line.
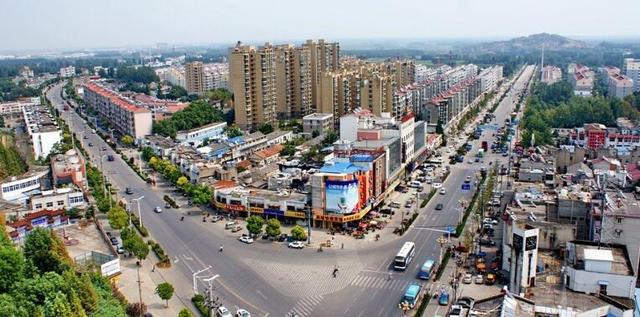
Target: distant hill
[(550, 42)]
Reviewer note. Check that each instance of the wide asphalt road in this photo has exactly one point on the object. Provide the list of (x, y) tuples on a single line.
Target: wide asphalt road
[(273, 280)]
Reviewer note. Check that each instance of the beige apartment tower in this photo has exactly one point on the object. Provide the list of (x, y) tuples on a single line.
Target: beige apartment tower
[(194, 78), (252, 72), (293, 81), (325, 57)]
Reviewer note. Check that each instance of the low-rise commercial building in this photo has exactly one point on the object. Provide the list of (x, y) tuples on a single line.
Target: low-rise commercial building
[(319, 123), (16, 107), (61, 198), (50, 219), (69, 168), (42, 130), (15, 189), (196, 136), (284, 205)]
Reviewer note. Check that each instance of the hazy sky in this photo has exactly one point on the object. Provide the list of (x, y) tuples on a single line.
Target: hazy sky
[(53, 24)]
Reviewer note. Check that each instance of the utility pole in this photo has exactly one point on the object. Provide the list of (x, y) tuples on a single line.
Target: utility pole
[(309, 226), (139, 213), (139, 286)]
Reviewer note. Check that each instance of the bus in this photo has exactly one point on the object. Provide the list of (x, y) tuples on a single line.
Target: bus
[(425, 270), (404, 256)]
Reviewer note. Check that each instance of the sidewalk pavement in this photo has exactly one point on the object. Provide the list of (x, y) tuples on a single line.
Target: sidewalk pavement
[(149, 278)]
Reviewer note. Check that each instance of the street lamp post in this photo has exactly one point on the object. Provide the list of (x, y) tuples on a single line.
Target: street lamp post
[(195, 287), (139, 214)]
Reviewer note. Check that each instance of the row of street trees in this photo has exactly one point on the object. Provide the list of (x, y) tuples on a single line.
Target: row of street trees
[(200, 194), (272, 228)]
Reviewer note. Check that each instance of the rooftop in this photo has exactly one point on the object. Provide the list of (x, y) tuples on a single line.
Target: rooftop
[(616, 254), (115, 98), (317, 116), (341, 168)]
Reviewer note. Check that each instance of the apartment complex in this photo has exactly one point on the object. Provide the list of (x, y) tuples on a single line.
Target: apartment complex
[(320, 123), (16, 107), (620, 85), (581, 78), (632, 70), (194, 78), (490, 77), (278, 81), (122, 113), (69, 71), (551, 75)]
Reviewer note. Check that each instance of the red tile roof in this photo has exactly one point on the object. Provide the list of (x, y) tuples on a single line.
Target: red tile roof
[(270, 152), (114, 97)]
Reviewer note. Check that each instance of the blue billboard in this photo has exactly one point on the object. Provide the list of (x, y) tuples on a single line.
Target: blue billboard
[(342, 196)]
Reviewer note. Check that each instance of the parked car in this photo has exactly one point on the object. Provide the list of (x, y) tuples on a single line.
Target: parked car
[(242, 313), (246, 239), (468, 278), (443, 299), (223, 312), (487, 226), (479, 279), (466, 302), (467, 179), (114, 240), (157, 209), (490, 221), (394, 205), (120, 250), (487, 242), (296, 245), (439, 206), (455, 311), (408, 204), (436, 185), (236, 228)]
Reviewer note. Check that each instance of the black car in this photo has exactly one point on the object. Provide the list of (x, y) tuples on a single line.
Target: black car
[(439, 206), (128, 191), (110, 158), (90, 144), (114, 240), (487, 242)]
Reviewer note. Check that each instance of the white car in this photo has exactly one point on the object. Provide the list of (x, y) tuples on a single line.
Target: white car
[(443, 191), (157, 209), (223, 312), (242, 313), (455, 311), (296, 244), (490, 221), (467, 279), (436, 185), (246, 239)]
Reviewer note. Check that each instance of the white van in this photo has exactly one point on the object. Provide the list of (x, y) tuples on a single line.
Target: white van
[(415, 184)]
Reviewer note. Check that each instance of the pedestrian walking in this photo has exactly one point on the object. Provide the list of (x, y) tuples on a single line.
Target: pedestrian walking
[(153, 268), (342, 246), (389, 277)]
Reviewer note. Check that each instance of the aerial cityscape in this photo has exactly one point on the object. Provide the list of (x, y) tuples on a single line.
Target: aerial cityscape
[(359, 158)]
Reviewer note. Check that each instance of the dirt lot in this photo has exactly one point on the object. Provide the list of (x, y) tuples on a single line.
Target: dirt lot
[(80, 240)]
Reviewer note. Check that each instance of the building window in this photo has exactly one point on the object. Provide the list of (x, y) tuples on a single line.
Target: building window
[(619, 219), (60, 203), (38, 206), (50, 204)]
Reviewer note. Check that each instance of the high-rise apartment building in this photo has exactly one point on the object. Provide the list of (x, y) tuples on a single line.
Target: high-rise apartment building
[(252, 72), (339, 92), (325, 57), (293, 81), (194, 78), (280, 81), (632, 70)]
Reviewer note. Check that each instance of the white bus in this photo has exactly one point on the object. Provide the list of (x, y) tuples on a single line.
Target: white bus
[(404, 256)]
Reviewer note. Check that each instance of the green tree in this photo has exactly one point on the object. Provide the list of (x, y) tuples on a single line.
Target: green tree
[(200, 194), (254, 224), (133, 243), (298, 233), (182, 180), (147, 153), (165, 292), (9, 308), (288, 150), (137, 75), (273, 227), (12, 268), (266, 128), (127, 140), (185, 312), (39, 250), (197, 114), (315, 134), (330, 137), (118, 217), (57, 306), (232, 131)]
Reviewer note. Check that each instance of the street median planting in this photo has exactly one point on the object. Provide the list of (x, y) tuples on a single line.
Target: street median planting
[(423, 304), (198, 301), (141, 228), (170, 201), (443, 265), (429, 196), (135, 168), (405, 224), (165, 261)]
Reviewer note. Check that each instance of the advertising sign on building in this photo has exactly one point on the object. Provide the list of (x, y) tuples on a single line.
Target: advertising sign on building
[(342, 196)]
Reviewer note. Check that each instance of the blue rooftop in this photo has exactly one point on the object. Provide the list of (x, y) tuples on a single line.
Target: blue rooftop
[(341, 168), (236, 140)]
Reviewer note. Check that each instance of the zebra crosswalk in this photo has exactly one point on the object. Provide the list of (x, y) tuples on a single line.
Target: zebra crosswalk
[(305, 306), (379, 282)]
